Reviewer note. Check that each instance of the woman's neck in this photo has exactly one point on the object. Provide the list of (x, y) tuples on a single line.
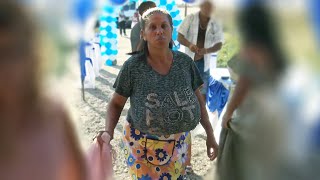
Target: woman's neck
[(159, 54)]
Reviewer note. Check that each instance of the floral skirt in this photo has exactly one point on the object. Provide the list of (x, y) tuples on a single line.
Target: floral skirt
[(151, 157)]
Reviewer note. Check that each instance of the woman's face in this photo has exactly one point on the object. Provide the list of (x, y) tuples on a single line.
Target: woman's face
[(158, 31), (15, 65)]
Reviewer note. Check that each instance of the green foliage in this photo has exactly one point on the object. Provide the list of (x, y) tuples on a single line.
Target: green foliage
[(230, 47)]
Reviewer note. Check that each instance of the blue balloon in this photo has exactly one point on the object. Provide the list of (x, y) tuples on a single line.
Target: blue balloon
[(109, 52), (115, 36), (189, 1), (83, 8), (169, 7), (115, 52), (109, 62), (118, 1), (108, 28), (109, 19), (163, 2), (109, 10), (110, 35), (173, 14), (108, 45), (176, 22), (174, 36)]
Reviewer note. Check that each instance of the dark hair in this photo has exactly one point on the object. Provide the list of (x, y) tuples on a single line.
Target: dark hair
[(143, 45), (145, 6), (13, 18), (257, 26)]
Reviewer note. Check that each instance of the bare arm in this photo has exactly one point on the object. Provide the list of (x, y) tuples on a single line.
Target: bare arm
[(212, 146), (114, 110), (215, 48), (239, 95), (182, 40), (204, 114)]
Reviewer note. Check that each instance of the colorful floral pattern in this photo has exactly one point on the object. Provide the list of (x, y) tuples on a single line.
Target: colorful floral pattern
[(155, 157)]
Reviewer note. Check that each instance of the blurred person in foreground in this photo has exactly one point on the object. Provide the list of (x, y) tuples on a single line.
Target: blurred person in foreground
[(253, 139), (164, 110), (36, 136), (135, 35)]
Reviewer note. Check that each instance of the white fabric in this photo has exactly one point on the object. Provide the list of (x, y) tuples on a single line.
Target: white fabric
[(189, 28), (90, 79), (121, 17)]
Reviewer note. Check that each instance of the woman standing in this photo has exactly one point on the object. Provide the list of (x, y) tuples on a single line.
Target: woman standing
[(166, 104), (36, 137)]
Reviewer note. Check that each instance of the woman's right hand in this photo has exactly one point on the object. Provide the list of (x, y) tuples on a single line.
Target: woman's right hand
[(227, 117)]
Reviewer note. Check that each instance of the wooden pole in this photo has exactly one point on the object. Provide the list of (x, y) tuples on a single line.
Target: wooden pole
[(185, 9)]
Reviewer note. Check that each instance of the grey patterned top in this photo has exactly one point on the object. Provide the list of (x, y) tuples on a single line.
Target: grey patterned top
[(161, 104)]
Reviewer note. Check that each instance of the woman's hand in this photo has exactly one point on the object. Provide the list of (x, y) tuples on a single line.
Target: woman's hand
[(212, 147), (227, 117), (104, 137)]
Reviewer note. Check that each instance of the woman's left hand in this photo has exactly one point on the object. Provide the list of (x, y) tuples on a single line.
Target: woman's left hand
[(212, 147)]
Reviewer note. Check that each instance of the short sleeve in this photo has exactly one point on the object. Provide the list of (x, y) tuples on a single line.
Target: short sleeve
[(195, 77), (185, 25), (123, 83)]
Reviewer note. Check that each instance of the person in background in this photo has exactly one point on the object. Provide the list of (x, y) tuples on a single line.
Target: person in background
[(36, 136), (122, 22), (202, 36), (162, 112), (135, 35), (135, 18)]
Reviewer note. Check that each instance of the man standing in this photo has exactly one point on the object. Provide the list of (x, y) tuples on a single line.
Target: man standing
[(135, 32), (122, 22), (202, 36)]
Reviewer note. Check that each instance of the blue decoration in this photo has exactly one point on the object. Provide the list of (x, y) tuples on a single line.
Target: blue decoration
[(176, 22), (169, 7), (119, 2), (109, 62), (163, 2), (82, 9), (110, 35), (108, 28), (108, 45), (189, 1)]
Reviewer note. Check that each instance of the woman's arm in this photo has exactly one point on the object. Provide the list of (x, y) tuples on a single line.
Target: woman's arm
[(212, 146), (237, 98), (114, 110)]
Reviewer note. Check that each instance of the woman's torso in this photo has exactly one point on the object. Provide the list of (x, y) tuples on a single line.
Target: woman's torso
[(161, 104)]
